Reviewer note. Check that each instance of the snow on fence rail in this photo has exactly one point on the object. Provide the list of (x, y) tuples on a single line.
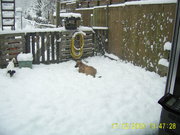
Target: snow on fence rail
[(48, 47)]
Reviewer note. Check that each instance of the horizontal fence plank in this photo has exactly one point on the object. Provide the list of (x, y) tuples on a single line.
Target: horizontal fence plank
[(12, 46), (12, 35), (12, 41), (17, 50), (84, 50), (9, 57), (68, 43), (87, 45), (69, 57)]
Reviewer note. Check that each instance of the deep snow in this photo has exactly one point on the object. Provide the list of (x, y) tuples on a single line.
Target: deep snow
[(57, 100)]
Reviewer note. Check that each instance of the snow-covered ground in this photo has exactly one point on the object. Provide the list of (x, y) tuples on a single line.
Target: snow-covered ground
[(57, 100)]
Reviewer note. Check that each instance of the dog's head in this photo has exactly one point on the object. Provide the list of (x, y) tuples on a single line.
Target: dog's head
[(78, 63), (11, 72)]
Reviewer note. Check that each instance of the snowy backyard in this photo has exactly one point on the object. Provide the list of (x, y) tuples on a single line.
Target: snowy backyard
[(57, 100)]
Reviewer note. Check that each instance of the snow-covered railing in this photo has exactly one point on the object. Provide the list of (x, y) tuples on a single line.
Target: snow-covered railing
[(41, 25)]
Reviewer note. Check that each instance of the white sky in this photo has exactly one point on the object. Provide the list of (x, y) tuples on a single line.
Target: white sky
[(24, 3)]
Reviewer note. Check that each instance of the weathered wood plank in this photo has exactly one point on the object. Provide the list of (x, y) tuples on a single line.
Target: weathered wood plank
[(12, 40), (65, 55), (52, 47), (69, 36), (43, 47), (84, 51), (48, 46), (58, 47), (12, 35), (85, 46), (14, 51), (9, 56), (68, 42), (27, 43), (12, 46), (38, 52), (33, 48)]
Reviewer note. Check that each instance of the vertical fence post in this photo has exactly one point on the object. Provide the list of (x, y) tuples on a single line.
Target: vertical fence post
[(52, 46), (27, 43), (42, 48), (38, 49), (57, 47), (33, 48), (48, 47)]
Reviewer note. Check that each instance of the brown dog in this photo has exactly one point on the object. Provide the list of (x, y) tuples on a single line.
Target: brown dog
[(83, 68)]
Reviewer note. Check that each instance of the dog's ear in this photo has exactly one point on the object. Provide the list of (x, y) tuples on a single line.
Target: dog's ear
[(9, 71), (13, 71)]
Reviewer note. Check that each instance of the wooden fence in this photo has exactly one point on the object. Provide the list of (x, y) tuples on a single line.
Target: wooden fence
[(44, 46), (48, 47), (137, 33), (10, 46), (54, 47), (92, 3)]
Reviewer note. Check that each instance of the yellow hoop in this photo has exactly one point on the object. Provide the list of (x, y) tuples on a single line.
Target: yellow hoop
[(74, 50)]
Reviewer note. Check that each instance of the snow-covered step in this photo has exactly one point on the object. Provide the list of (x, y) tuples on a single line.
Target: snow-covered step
[(8, 22), (8, 13)]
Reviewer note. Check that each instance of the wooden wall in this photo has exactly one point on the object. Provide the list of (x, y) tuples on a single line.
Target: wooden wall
[(100, 17), (137, 33), (86, 16)]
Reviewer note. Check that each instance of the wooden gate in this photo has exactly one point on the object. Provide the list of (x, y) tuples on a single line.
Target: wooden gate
[(54, 47), (44, 46), (101, 39)]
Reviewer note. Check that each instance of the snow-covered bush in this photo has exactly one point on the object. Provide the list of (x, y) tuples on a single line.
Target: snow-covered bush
[(40, 10)]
